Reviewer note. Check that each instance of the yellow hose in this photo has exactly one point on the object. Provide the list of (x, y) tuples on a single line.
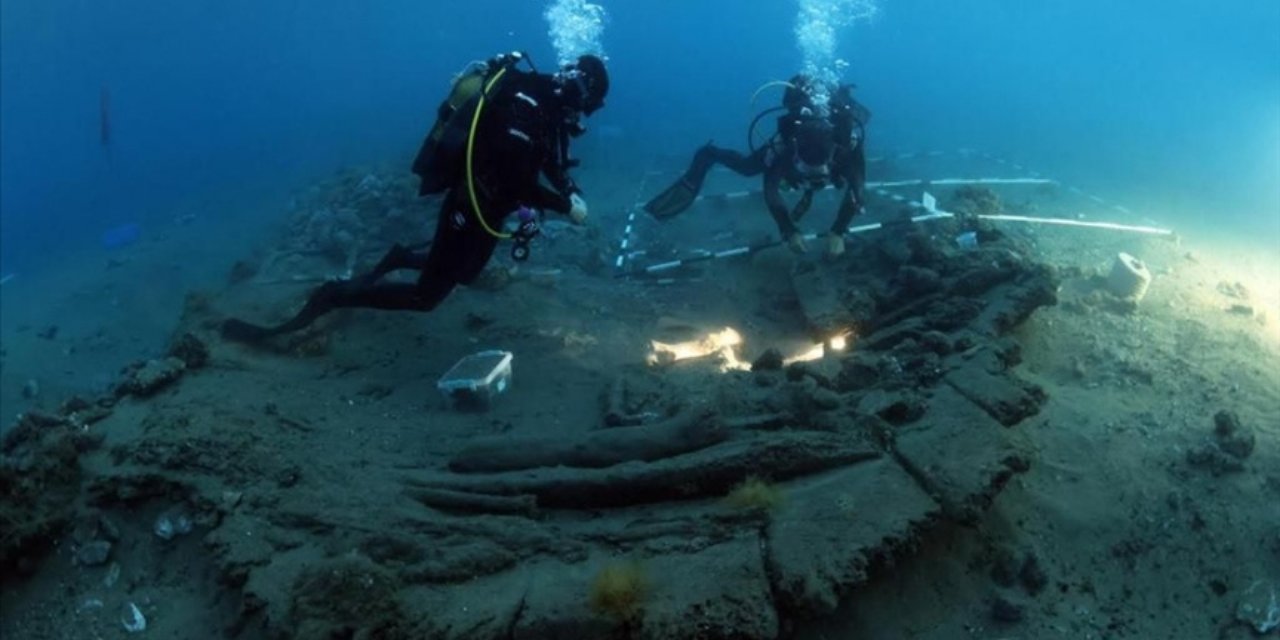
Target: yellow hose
[(471, 144)]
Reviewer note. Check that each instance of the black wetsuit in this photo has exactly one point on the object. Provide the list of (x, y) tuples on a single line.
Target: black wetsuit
[(522, 135), (778, 161)]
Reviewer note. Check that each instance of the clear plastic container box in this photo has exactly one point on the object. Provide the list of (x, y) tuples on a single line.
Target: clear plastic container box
[(477, 379)]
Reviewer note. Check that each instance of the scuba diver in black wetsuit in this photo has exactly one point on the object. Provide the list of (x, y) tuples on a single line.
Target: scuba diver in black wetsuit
[(498, 130), (810, 150)]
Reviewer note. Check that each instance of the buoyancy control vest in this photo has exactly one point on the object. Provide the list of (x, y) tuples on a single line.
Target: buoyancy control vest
[(441, 160)]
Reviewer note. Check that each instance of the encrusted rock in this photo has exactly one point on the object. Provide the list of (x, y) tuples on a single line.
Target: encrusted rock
[(192, 351), (145, 379), (1259, 607), (94, 553), (770, 360), (825, 399), (1006, 611), (894, 408), (1233, 438), (916, 281), (1226, 451)]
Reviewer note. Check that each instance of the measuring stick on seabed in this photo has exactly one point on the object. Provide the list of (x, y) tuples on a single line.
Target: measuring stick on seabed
[(928, 203)]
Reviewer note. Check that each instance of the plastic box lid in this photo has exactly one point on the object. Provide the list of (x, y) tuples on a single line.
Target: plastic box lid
[(477, 371)]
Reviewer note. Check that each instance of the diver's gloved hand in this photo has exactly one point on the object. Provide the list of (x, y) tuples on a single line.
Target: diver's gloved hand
[(796, 242), (577, 209), (833, 244)]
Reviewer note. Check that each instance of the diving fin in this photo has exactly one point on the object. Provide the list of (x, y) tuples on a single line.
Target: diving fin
[(241, 331), (323, 300), (674, 200)]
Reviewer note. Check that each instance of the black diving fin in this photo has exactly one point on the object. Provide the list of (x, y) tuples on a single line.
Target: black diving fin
[(241, 331), (674, 200), (323, 300)]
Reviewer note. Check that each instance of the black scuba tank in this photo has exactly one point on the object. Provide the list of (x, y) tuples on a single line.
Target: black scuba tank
[(440, 160)]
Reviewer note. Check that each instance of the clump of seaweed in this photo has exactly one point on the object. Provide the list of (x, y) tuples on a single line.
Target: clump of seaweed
[(756, 493), (619, 591)]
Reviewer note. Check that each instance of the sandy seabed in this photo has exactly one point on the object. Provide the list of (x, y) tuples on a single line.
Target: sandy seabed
[(1004, 450)]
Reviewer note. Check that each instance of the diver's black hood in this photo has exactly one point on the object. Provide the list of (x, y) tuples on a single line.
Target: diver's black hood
[(586, 83)]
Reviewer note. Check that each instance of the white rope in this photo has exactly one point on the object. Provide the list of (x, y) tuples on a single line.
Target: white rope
[(1081, 223)]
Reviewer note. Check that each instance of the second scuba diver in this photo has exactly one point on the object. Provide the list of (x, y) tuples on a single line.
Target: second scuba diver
[(812, 148), (497, 132)]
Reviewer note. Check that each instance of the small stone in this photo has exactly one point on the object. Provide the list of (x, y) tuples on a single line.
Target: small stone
[(231, 498), (146, 378), (770, 360), (1078, 368), (172, 523), (108, 529), (88, 416), (94, 553), (113, 575), (1259, 607), (74, 404), (476, 321), (1235, 290), (1004, 567), (894, 408), (1233, 438), (343, 238), (132, 619), (1232, 442), (192, 351), (937, 342), (1210, 456), (917, 281), (1032, 576), (164, 527), (1002, 610)]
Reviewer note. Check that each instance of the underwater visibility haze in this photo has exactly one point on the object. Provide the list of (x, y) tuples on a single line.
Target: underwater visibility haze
[(209, 98), (755, 319)]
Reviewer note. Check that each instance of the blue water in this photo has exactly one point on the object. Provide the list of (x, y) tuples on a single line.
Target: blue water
[(236, 101), (121, 236)]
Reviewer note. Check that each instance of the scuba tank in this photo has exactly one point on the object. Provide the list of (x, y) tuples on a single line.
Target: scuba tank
[(797, 107), (847, 116), (440, 160)]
